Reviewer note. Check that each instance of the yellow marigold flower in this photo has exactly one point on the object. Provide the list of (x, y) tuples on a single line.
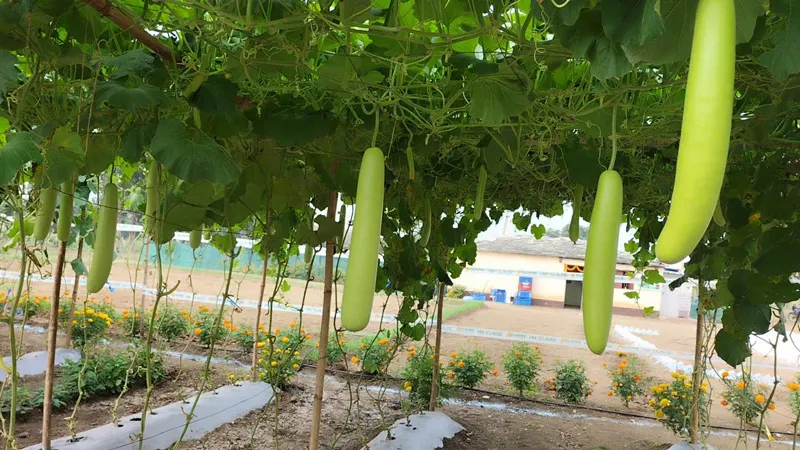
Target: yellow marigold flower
[(659, 414), (74, 322), (676, 375), (308, 336), (652, 402), (91, 320), (664, 402), (408, 388), (292, 324), (383, 342), (285, 339), (355, 359), (461, 364), (296, 366), (760, 399), (261, 344), (741, 385), (198, 331), (273, 363)]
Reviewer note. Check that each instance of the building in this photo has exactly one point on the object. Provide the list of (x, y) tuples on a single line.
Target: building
[(549, 271)]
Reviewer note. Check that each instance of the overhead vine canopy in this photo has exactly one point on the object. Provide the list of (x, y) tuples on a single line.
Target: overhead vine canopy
[(256, 105)]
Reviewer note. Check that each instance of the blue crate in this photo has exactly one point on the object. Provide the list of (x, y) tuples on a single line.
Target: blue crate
[(499, 295), (524, 294), (523, 301), (476, 296)]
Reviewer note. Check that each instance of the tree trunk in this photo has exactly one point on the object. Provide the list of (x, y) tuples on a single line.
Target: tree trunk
[(697, 373)]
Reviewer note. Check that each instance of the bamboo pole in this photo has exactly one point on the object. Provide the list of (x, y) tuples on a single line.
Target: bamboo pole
[(254, 367), (52, 329), (322, 360), (436, 349), (697, 372), (75, 285)]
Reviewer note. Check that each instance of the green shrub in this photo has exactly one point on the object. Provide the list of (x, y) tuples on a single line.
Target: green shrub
[(206, 328), (89, 325), (469, 369), (457, 291), (280, 356), (571, 383), (376, 352), (522, 364), (626, 380), (746, 399), (419, 379), (672, 403), (34, 306), (172, 324)]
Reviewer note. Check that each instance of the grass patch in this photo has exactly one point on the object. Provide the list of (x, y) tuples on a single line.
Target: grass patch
[(455, 307)]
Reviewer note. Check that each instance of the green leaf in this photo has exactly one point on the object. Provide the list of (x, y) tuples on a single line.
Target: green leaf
[(130, 99), (285, 287), (731, 349), (538, 231), (649, 310), (9, 73), (632, 22), (581, 163), (586, 39), (723, 296), (191, 155), (784, 59), (101, 153), (61, 158), (521, 221), (547, 12), (675, 43), (652, 277), (416, 332), (495, 98), (634, 295), (135, 62), (18, 151), (294, 128), (136, 139), (780, 255), (327, 228), (78, 267), (216, 96)]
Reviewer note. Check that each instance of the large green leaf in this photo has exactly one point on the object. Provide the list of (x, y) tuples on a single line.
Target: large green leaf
[(586, 39), (191, 155), (9, 73), (18, 151), (780, 253), (293, 128), (136, 139), (495, 98), (60, 158), (118, 95), (675, 43), (784, 59), (546, 11), (100, 153), (216, 96), (733, 350), (135, 62), (632, 22)]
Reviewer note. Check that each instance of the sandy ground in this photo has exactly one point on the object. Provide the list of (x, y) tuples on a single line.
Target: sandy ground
[(674, 334)]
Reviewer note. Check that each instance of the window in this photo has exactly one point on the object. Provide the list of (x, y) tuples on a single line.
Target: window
[(626, 286)]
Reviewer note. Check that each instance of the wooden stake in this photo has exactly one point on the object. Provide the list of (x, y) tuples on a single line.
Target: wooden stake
[(697, 372), (322, 360), (436, 349), (142, 329), (256, 331), (52, 329), (71, 315)]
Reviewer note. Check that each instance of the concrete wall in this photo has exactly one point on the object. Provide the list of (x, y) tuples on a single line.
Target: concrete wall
[(478, 278)]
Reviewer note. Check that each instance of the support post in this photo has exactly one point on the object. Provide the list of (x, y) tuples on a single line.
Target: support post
[(322, 360), (697, 372), (52, 329), (75, 285), (437, 349)]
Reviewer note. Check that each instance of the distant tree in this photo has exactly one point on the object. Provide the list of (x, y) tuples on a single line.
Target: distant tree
[(564, 232)]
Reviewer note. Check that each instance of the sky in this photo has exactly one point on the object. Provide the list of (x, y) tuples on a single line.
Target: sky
[(506, 228)]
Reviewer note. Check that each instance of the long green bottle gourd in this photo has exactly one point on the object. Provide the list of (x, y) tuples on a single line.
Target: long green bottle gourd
[(65, 211), (104, 235), (195, 237), (44, 213), (575, 223), (705, 131), (359, 287), (600, 267), (425, 232)]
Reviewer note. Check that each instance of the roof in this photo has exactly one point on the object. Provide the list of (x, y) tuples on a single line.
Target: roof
[(560, 247)]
